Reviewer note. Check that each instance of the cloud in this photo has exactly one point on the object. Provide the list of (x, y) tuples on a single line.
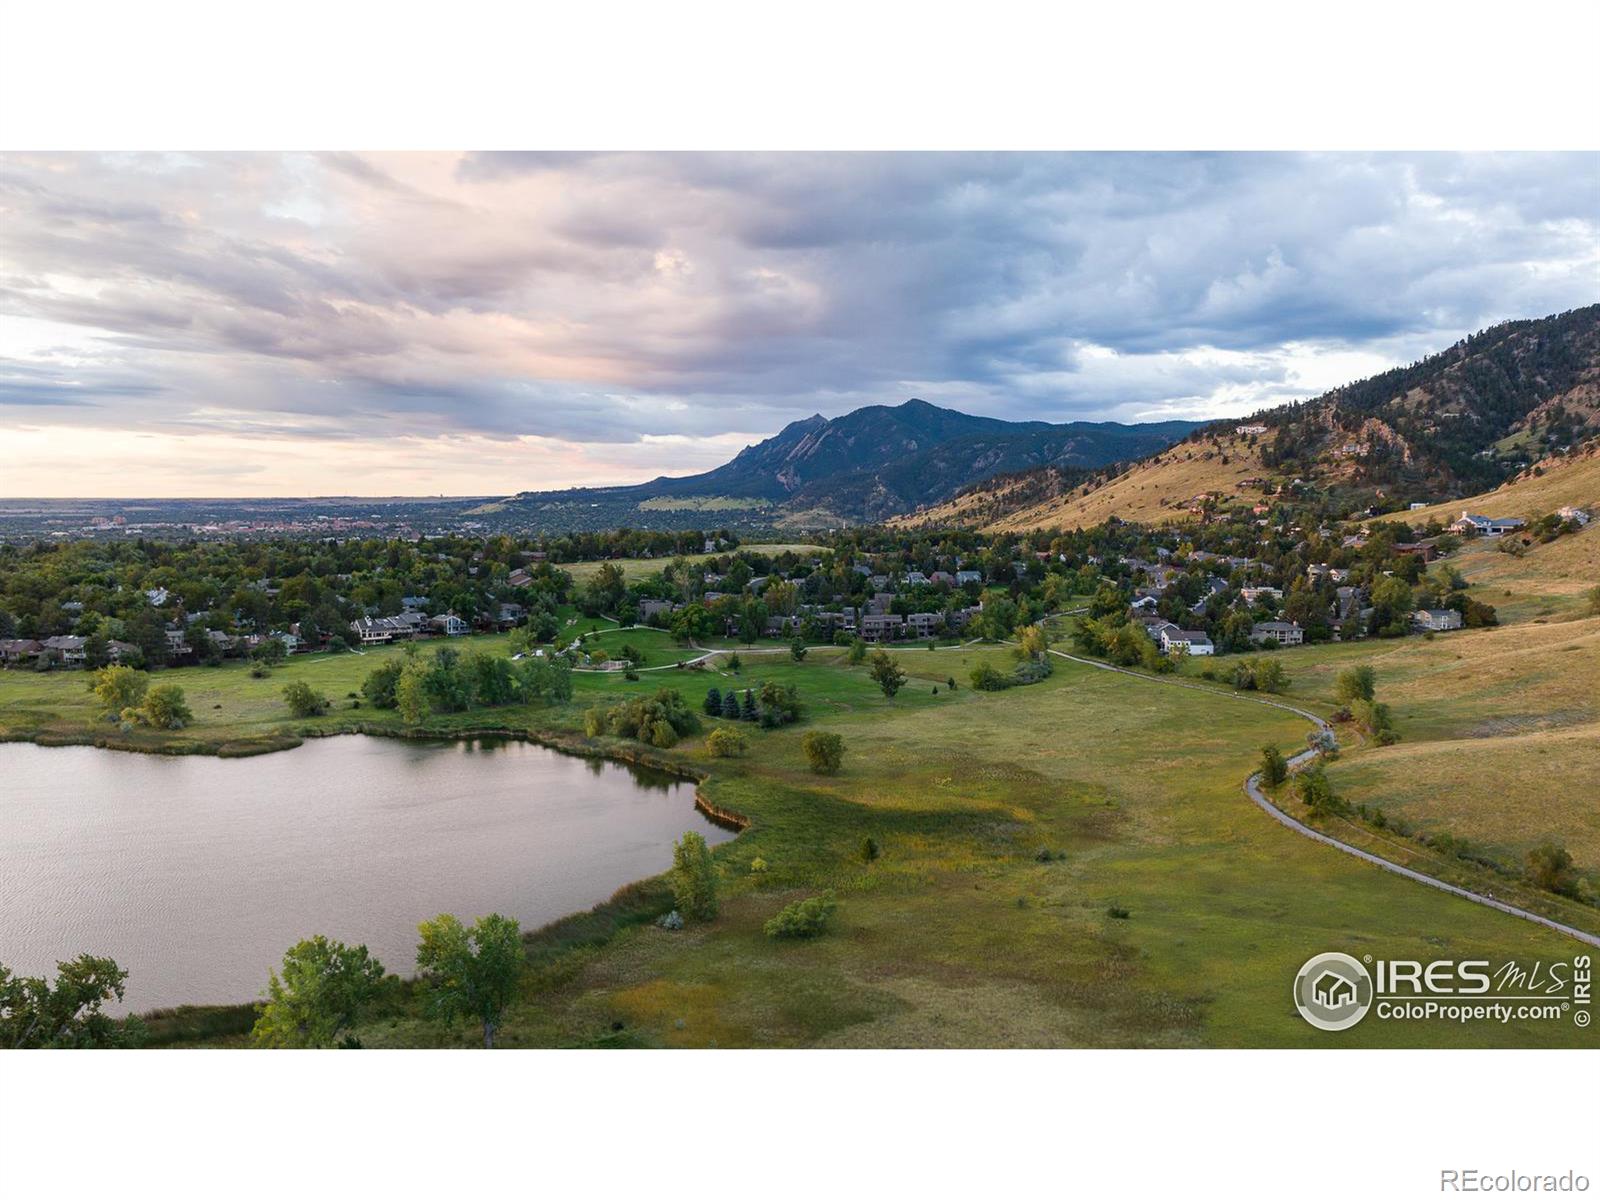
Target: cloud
[(615, 299)]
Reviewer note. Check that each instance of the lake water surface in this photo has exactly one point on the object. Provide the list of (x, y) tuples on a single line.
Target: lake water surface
[(197, 873)]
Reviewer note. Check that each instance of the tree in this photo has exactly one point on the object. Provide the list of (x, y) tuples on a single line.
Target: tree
[(713, 702), (730, 705), (324, 986), (693, 878), (1032, 642), (470, 973), (1550, 867), (887, 673), (723, 742), (411, 693), (1355, 683), (748, 710), (824, 751), (1316, 793), (380, 684), (119, 688), (68, 1015), (857, 654), (269, 652), (1274, 769), (164, 708), (304, 700), (797, 650)]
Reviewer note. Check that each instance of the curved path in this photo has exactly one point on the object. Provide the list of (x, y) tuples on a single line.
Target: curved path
[(1252, 789)]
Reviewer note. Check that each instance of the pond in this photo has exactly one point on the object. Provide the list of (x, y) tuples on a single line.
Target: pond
[(197, 873)]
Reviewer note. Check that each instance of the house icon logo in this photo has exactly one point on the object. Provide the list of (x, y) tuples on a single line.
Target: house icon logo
[(1333, 991)]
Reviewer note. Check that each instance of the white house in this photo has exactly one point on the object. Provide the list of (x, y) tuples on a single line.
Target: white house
[(1485, 526), (1436, 619), (1186, 641), (1285, 633), (1570, 513), (450, 625)]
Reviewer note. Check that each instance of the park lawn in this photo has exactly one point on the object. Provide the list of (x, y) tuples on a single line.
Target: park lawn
[(958, 934)]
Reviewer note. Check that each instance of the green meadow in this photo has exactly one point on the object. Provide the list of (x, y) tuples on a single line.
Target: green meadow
[(1071, 863)]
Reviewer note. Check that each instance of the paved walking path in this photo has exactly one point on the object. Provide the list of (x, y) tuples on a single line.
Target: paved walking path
[(1253, 790)]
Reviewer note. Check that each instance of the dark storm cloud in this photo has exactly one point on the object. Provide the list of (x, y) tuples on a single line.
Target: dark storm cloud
[(607, 297)]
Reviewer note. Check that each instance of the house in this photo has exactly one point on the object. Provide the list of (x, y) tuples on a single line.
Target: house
[(924, 624), (1246, 430), (1285, 633), (177, 642), (1485, 526), (881, 627), (650, 609), (68, 651), (157, 596), (780, 625), (966, 577), (916, 578), (1333, 991), (1423, 550), (1436, 620), (507, 615), (119, 652), (519, 578), (1186, 641), (1253, 594), (18, 650), (450, 625), (1576, 515), (414, 603), (376, 631)]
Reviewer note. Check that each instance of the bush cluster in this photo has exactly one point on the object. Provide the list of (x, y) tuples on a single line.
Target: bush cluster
[(658, 720), (804, 918)]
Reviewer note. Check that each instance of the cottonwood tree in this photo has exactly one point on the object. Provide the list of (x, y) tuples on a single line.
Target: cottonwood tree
[(694, 878), (1355, 683), (471, 973), (119, 688), (69, 1014), (324, 986)]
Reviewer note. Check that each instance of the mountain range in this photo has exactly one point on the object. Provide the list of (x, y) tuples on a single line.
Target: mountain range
[(1449, 425), (867, 465)]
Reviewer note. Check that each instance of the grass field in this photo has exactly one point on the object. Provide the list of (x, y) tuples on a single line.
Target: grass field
[(635, 567), (958, 934)]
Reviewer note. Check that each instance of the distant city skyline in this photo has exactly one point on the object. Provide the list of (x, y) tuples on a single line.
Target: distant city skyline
[(472, 324)]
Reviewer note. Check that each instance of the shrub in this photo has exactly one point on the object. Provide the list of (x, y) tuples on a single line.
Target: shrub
[(824, 751), (734, 664), (758, 866), (726, 743), (671, 921), (304, 700), (1117, 913), (1549, 866), (857, 653), (869, 849), (986, 679), (1355, 683), (1274, 768), (797, 650), (804, 918), (694, 877)]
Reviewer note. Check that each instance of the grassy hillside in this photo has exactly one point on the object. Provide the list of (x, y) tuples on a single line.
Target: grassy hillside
[(633, 568), (1155, 492), (1574, 480)]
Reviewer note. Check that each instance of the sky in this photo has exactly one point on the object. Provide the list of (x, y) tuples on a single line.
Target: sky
[(481, 324)]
